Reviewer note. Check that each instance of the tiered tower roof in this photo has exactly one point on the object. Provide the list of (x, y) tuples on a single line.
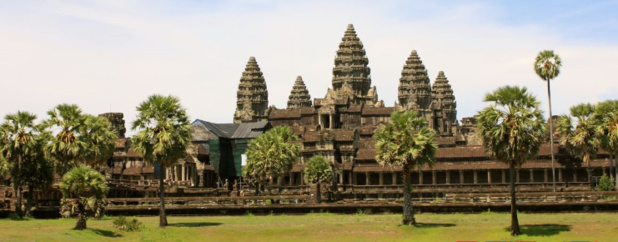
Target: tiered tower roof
[(414, 86), (252, 95), (299, 98), (351, 64), (443, 92)]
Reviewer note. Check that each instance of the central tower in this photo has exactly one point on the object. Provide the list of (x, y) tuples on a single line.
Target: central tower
[(351, 71)]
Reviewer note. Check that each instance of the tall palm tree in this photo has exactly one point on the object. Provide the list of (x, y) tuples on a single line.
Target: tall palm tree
[(66, 147), (90, 188), (582, 141), (272, 155), (406, 141), (512, 128), (18, 146), (547, 66), (607, 112), (163, 138), (318, 170)]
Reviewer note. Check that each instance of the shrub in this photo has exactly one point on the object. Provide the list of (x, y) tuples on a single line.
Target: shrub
[(122, 223), (605, 184)]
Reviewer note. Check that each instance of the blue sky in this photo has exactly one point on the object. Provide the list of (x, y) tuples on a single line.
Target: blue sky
[(110, 55)]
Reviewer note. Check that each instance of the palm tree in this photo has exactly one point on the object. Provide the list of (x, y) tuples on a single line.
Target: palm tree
[(163, 137), (318, 170), (512, 129), (80, 138), (407, 142), (271, 155), (66, 148), (582, 141), (99, 138), (90, 188), (547, 66), (19, 137), (607, 112)]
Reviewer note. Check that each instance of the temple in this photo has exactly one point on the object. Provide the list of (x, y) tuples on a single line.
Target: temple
[(340, 126)]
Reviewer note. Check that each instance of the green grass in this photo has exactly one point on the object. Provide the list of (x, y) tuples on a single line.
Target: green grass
[(327, 227)]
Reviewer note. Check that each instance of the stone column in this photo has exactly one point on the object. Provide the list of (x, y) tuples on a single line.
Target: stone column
[(367, 178), (476, 175), (330, 119), (394, 176), (433, 177), (448, 177), (559, 175), (531, 175), (488, 176), (341, 178), (420, 177), (350, 174), (461, 177), (545, 177), (381, 178), (503, 176)]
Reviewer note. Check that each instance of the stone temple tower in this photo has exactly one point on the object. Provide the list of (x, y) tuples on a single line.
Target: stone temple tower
[(414, 86), (252, 95), (299, 98), (443, 105), (351, 69)]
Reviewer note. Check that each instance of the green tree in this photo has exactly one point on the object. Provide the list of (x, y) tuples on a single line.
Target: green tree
[(547, 66), (272, 155), (406, 141), (20, 146), (99, 140), (512, 129), (80, 138), (582, 141), (607, 113), (89, 189), (163, 138), (318, 170), (66, 147)]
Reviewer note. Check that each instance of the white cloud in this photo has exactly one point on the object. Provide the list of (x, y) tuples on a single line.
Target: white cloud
[(109, 57)]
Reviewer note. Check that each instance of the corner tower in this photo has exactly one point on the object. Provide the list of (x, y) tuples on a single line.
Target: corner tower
[(351, 69), (252, 95), (414, 86), (299, 98), (443, 105)]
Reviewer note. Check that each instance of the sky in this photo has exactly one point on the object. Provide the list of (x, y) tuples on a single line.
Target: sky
[(108, 56)]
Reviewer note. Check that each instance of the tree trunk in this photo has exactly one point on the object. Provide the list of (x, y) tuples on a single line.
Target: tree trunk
[(162, 217), (81, 217), (616, 170), (587, 157), (18, 189), (29, 201), (611, 168), (514, 221), (551, 135), (318, 195), (408, 212)]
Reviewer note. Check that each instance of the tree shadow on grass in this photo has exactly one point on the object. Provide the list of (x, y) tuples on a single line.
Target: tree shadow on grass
[(106, 233), (195, 224), (433, 225), (430, 225), (542, 229)]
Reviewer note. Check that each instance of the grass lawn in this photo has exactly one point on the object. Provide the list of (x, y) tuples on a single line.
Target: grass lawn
[(328, 227)]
